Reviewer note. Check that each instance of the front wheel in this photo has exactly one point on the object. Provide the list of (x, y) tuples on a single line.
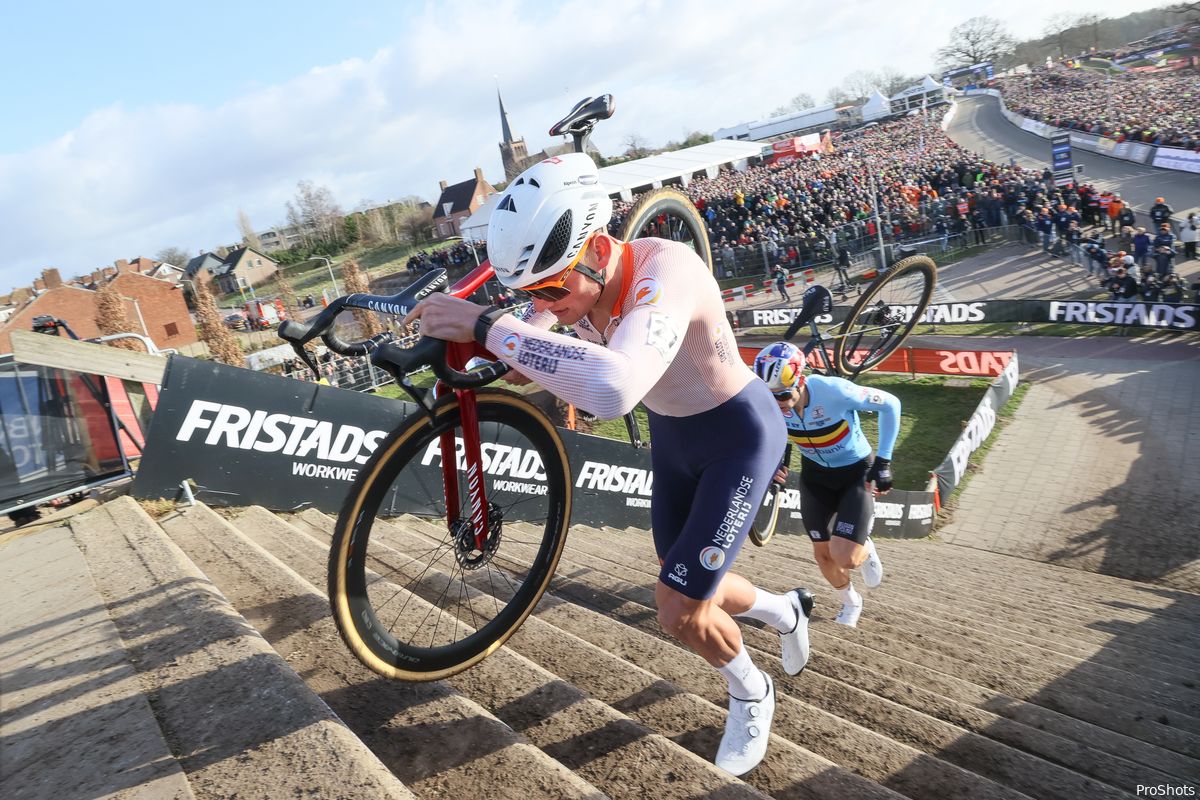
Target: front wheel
[(884, 316), (668, 214), (413, 593)]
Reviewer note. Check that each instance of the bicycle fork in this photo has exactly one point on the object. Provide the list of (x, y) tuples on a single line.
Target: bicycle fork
[(473, 466)]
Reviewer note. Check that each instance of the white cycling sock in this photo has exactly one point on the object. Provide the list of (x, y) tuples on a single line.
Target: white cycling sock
[(849, 595), (774, 609), (746, 681)]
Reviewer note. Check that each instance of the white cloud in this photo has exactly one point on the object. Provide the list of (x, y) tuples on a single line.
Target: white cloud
[(132, 179)]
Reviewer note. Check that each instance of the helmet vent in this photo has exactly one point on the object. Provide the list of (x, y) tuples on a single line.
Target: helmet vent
[(556, 243), (533, 182), (506, 204)]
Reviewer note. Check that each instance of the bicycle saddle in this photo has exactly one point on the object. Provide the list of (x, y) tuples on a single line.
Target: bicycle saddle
[(586, 113)]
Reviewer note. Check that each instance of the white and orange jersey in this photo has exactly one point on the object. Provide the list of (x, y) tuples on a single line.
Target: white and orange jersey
[(670, 345)]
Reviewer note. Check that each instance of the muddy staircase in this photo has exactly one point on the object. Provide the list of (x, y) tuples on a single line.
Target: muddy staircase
[(194, 656)]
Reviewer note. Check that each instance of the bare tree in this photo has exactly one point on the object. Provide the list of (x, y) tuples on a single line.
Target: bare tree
[(976, 40), (111, 318), (288, 295), (175, 256), (249, 237), (415, 223), (635, 146), (889, 81), (355, 280), (314, 213), (837, 95), (222, 344), (802, 101), (1093, 21), (860, 84)]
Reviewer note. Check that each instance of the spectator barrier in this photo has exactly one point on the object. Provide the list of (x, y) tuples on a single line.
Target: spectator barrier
[(1163, 316), (251, 438), (950, 472)]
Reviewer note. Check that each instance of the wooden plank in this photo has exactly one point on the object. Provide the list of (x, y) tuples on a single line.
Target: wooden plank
[(94, 359)]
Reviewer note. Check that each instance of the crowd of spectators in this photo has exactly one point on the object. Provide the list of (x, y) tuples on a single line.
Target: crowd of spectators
[(462, 255), (805, 211), (1156, 108)]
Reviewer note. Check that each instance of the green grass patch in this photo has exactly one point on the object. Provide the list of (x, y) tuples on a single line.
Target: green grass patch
[(934, 410)]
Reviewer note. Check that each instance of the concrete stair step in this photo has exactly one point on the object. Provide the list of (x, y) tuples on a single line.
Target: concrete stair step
[(69, 683), (909, 623), (1121, 741), (238, 718), (430, 736), (684, 717), (621, 757)]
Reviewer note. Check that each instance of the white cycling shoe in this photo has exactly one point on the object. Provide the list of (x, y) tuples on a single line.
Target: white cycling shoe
[(794, 644), (747, 729), (849, 614), (872, 568)]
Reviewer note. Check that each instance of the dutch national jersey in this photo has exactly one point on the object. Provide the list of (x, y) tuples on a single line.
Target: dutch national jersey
[(827, 429), (670, 346)]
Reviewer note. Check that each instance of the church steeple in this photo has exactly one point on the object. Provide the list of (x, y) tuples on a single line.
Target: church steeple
[(512, 150), (504, 127)]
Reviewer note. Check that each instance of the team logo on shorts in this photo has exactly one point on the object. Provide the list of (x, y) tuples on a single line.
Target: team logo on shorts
[(681, 570), (845, 528), (511, 343), (646, 292), (816, 535), (711, 558)]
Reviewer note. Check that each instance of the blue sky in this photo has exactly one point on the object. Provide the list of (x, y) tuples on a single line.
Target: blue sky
[(134, 126)]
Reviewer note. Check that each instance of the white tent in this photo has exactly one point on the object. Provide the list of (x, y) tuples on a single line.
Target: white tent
[(474, 227), (877, 106), (679, 166)]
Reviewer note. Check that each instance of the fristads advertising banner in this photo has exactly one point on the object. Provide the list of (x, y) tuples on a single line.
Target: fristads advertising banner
[(248, 438), (1165, 316), (950, 472)]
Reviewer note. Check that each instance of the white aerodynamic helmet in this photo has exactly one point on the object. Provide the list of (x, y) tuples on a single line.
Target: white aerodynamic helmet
[(544, 218)]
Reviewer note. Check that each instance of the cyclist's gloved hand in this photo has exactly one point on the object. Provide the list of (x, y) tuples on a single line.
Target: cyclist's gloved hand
[(880, 474)]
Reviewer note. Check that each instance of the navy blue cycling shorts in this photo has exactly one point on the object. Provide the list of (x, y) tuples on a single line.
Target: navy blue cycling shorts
[(711, 472)]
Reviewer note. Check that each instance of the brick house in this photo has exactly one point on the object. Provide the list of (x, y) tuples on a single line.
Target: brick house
[(244, 266), (458, 202), (155, 307)]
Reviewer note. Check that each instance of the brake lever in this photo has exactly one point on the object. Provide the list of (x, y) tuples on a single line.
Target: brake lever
[(307, 358)]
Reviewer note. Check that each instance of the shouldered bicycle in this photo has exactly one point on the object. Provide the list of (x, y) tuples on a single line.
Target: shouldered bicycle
[(432, 596)]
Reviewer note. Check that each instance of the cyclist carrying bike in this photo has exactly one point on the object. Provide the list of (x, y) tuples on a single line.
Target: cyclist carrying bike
[(838, 477), (652, 329)]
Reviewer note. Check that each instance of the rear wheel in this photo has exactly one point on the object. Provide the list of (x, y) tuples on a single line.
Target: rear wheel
[(768, 514), (668, 214), (884, 316), (412, 594)]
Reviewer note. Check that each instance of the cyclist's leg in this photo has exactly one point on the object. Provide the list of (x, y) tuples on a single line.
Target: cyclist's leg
[(818, 504), (855, 514), (739, 461)]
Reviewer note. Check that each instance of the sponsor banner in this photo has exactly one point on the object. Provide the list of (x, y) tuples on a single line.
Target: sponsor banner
[(898, 514), (972, 363), (1170, 316), (1175, 158), (249, 438), (57, 434), (1166, 316), (950, 472)]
